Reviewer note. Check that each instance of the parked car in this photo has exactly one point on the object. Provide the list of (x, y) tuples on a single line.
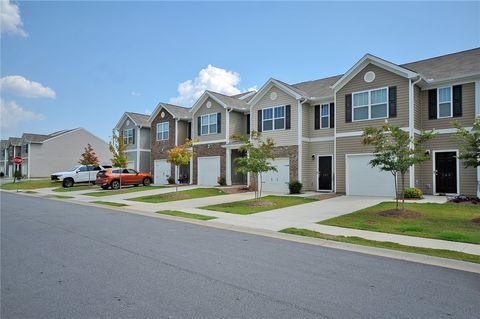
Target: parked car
[(117, 177), (78, 174)]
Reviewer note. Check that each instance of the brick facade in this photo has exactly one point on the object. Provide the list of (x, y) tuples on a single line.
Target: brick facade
[(159, 148), (286, 151), (214, 149)]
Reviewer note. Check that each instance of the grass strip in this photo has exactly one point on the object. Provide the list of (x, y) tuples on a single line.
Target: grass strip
[(185, 215), (181, 195), (122, 191), (101, 202)]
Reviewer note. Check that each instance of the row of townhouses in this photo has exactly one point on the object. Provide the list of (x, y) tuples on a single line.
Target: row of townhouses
[(317, 127), (44, 154)]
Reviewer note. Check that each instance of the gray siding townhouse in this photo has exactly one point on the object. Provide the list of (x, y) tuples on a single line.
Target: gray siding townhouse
[(215, 118), (45, 154), (10, 149), (170, 126), (317, 125), (136, 133)]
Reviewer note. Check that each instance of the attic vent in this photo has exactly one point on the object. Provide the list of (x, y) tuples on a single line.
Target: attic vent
[(209, 104), (369, 76), (162, 115), (273, 96)]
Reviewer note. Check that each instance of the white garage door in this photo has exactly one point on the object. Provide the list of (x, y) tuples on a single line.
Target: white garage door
[(363, 179), (208, 170), (161, 171), (277, 182)]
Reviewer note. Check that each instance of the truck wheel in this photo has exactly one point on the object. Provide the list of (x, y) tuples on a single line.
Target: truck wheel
[(115, 184), (105, 187), (146, 181), (68, 182)]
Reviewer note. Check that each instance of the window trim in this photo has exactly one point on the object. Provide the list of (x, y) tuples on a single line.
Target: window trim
[(327, 116), (451, 102), (274, 118), (208, 125), (126, 138), (167, 131), (369, 105)]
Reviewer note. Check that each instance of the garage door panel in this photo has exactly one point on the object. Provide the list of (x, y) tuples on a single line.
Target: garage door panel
[(208, 170), (277, 182), (161, 171), (363, 179)]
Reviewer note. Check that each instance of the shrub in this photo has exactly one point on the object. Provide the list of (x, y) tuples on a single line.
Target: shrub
[(465, 199), (221, 181), (2, 174), (295, 187), (413, 192), (171, 180)]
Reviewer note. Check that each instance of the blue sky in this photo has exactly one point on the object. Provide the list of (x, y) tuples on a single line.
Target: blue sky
[(92, 61)]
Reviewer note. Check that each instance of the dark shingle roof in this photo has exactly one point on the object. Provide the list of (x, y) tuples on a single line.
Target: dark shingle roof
[(178, 111), (318, 88), (454, 65), (232, 102), (4, 144), (139, 119), (34, 138), (15, 141)]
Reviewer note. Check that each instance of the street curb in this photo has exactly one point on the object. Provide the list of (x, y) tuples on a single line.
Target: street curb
[(381, 252)]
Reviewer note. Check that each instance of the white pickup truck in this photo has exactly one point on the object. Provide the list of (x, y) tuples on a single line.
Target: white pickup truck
[(78, 174)]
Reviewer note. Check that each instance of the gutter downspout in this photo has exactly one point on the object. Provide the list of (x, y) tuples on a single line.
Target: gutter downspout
[(177, 170), (139, 132), (411, 124), (300, 135), (228, 151), (29, 149)]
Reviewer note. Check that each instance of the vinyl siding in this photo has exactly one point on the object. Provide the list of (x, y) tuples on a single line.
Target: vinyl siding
[(309, 119), (144, 137), (424, 178), (310, 166), (468, 110), (281, 137), (126, 126), (203, 110), (417, 107), (144, 162), (383, 78), (237, 124), (182, 132), (351, 145)]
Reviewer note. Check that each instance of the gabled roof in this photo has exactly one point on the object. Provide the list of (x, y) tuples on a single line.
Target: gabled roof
[(245, 95), (225, 101), (285, 87), (34, 138), (15, 141), (4, 144), (455, 65), (178, 112), (318, 89), (138, 119)]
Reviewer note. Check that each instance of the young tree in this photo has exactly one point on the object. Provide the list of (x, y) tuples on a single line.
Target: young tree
[(259, 152), (89, 158), (117, 146), (180, 155), (470, 145), (393, 152)]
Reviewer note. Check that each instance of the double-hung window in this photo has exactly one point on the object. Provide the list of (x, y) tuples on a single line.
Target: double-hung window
[(162, 131), (325, 116), (128, 136), (444, 103), (209, 124), (371, 104), (273, 118)]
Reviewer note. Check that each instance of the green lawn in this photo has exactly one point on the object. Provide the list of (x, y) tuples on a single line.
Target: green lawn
[(31, 184), (76, 188), (185, 215), (385, 244), (181, 195), (60, 196), (452, 222), (263, 204), (111, 192), (101, 202)]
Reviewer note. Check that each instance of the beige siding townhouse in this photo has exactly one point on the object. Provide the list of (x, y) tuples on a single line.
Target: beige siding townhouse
[(215, 119), (170, 126)]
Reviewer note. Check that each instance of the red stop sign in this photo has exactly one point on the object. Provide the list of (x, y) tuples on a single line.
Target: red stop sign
[(17, 160)]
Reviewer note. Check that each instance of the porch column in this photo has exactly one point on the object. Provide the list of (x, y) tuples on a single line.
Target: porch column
[(228, 167)]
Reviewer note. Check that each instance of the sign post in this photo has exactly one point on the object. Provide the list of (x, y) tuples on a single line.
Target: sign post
[(17, 160)]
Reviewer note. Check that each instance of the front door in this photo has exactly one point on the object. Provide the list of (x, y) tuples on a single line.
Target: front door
[(445, 173), (325, 173)]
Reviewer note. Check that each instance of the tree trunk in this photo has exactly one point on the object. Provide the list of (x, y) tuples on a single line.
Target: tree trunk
[(396, 189), (403, 191), (260, 186)]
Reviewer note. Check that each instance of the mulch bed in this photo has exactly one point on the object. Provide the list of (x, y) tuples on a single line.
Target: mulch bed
[(476, 220), (176, 195), (260, 203), (234, 190), (400, 213)]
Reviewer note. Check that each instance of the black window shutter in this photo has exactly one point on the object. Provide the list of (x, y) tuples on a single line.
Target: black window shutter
[(133, 136), (432, 104), (317, 117), (392, 101), (457, 101), (259, 121), (287, 116), (189, 130), (199, 126), (332, 115), (348, 108), (219, 122), (248, 123)]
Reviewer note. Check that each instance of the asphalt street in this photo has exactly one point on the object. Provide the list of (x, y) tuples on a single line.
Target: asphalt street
[(62, 260)]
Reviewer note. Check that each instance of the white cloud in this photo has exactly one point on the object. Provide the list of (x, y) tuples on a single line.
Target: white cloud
[(11, 114), (20, 86), (211, 78), (10, 19), (134, 93)]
